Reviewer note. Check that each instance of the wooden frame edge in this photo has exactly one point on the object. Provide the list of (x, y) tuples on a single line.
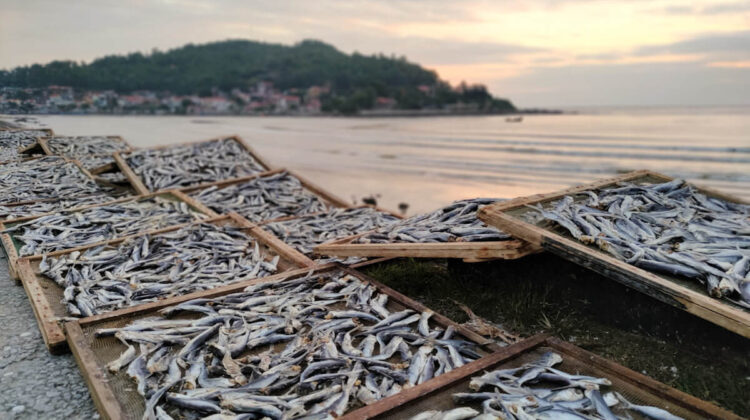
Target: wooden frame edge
[(52, 332), (135, 181), (254, 153), (101, 393), (273, 242), (510, 249), (663, 289)]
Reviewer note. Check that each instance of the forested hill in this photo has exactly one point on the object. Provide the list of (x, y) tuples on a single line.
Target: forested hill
[(225, 65)]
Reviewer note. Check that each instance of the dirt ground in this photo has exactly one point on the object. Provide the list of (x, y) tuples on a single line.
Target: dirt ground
[(544, 293)]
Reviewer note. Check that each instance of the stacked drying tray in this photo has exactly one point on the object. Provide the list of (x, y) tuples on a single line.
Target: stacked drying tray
[(50, 183), (94, 153), (186, 165), (65, 254), (126, 274), (291, 208), (21, 144), (686, 246), (305, 232), (96, 223), (453, 231)]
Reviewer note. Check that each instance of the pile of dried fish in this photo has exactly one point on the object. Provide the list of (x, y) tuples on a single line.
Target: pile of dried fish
[(11, 141), (537, 390), (91, 151), (41, 207), (304, 233), (147, 268), (115, 177), (668, 228), (82, 146), (30, 164), (264, 198), (93, 162), (192, 164), (69, 230), (342, 348), (456, 222), (38, 182)]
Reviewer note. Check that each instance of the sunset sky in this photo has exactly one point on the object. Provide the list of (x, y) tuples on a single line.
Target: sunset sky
[(537, 52)]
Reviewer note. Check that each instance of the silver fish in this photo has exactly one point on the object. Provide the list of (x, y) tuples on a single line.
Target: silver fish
[(532, 391), (73, 229), (306, 232), (456, 222), (192, 164), (310, 371), (147, 268), (32, 182), (264, 198), (12, 141), (669, 228)]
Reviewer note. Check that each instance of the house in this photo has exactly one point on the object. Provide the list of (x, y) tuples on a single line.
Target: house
[(312, 106), (382, 102), (215, 105), (135, 100)]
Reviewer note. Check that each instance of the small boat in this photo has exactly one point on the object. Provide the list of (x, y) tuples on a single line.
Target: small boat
[(514, 119)]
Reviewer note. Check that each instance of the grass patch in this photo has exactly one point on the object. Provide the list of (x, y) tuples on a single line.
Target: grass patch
[(544, 293)]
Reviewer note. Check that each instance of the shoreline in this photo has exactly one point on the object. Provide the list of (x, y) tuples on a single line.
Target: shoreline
[(367, 114), (7, 125)]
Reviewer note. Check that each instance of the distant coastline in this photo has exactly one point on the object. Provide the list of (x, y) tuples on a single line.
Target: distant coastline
[(240, 77), (361, 114), (446, 113)]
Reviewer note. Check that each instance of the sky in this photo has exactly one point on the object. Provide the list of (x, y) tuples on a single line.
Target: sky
[(538, 53)]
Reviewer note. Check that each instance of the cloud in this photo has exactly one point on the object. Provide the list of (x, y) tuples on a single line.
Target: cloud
[(678, 10), (735, 43), (630, 84), (599, 57), (712, 10), (437, 51), (723, 8)]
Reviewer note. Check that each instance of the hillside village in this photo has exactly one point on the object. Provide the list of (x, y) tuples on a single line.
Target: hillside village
[(262, 98)]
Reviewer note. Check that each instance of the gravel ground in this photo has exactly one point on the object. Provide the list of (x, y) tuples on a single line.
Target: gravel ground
[(34, 383)]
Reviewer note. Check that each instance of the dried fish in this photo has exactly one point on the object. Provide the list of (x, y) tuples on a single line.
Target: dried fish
[(49, 181), (91, 151), (670, 228), (192, 164), (82, 146), (146, 268), (457, 222), (11, 141), (115, 177), (30, 164), (301, 347), (73, 229), (537, 390), (94, 162), (306, 232), (263, 198), (23, 210)]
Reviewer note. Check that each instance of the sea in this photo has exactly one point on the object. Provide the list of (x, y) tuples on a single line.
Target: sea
[(428, 162)]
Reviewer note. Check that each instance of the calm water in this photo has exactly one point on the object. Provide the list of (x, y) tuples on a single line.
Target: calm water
[(428, 162)]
